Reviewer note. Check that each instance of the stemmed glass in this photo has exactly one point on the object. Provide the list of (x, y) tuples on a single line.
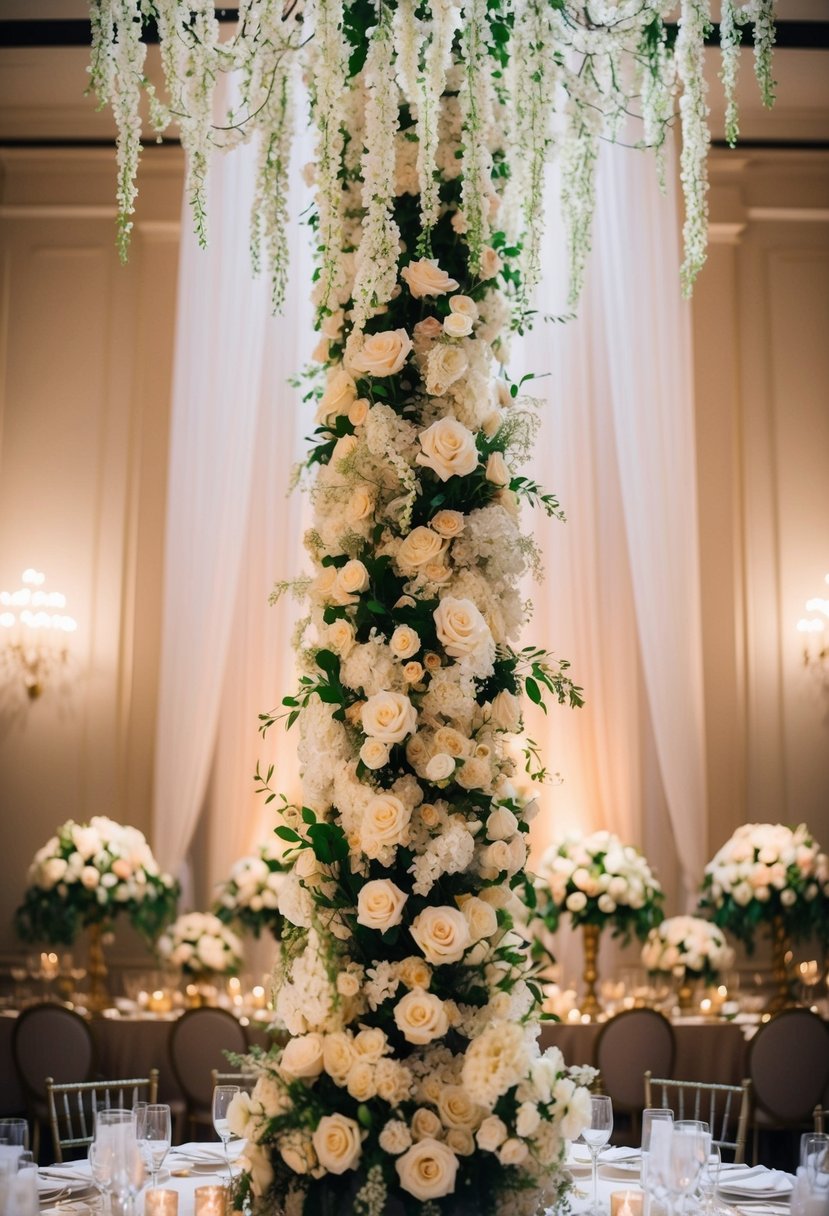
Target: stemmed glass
[(652, 1115), (597, 1135), (710, 1177), (678, 1163), (153, 1129), (223, 1095), (814, 1157), (116, 1159)]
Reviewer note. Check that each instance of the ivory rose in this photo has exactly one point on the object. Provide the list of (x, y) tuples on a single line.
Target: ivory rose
[(496, 470), (420, 547), (440, 767), (404, 642), (442, 934), (382, 354), (380, 904), (457, 325), (338, 1055), (427, 1170), (389, 717), (448, 524), (420, 1017), (302, 1056), (340, 391), (465, 305), (445, 364), (351, 580), (460, 627), (338, 1143), (425, 278), (456, 1108), (480, 916), (505, 711), (385, 824), (374, 754), (425, 1122)]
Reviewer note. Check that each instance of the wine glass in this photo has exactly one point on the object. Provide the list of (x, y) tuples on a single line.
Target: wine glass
[(223, 1095), (652, 1115), (814, 1157), (597, 1135), (98, 1167), (153, 1127), (117, 1158), (709, 1178), (681, 1169), (14, 1132)]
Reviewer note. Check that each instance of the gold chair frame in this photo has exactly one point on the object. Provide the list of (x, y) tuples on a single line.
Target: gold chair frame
[(695, 1091), (78, 1115)]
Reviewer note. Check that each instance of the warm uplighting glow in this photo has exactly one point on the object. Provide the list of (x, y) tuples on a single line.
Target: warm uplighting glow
[(813, 629), (33, 639)]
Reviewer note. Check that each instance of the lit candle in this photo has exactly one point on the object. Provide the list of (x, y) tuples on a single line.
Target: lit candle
[(258, 995), (159, 1001), (161, 1203), (626, 1203), (211, 1201)]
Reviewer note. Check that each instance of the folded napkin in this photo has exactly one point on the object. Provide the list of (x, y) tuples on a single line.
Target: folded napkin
[(750, 1180), (611, 1153), (74, 1171), (208, 1153)]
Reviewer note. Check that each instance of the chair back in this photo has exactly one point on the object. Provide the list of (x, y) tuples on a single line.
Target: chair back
[(73, 1106), (629, 1044), (198, 1044), (725, 1108), (245, 1080), (788, 1063), (50, 1041), (821, 1118)]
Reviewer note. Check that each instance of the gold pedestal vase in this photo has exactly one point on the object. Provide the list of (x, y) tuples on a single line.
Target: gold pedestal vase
[(782, 998), (590, 1002), (96, 969)]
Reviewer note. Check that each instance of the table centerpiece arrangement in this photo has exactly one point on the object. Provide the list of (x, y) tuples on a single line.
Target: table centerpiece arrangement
[(772, 878), (249, 897), (690, 949), (84, 878), (203, 947), (598, 882)]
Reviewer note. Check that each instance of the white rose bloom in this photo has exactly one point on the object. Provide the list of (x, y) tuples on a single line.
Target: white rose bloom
[(420, 1017), (456, 1108), (380, 904), (339, 393), (512, 1152), (302, 1056), (460, 627), (448, 448), (361, 1083), (505, 712), (425, 278), (527, 1120), (351, 579), (338, 1055), (481, 918), (425, 1123), (465, 305), (442, 934), (90, 877), (385, 823), (445, 365), (404, 642), (382, 354), (389, 717), (491, 1133), (338, 1143), (448, 524), (52, 872), (457, 325), (427, 1170), (340, 637), (497, 471), (440, 767), (502, 824), (374, 754), (420, 547)]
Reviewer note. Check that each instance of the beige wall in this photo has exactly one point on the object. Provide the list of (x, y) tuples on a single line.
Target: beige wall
[(761, 336), (84, 398)]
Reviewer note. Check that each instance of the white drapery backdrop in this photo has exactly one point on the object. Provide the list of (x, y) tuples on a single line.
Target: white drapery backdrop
[(621, 597)]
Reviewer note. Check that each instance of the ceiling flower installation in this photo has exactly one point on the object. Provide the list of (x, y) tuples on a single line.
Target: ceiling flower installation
[(412, 1081)]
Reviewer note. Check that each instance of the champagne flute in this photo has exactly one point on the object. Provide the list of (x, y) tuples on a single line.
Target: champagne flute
[(652, 1115), (223, 1095), (709, 1178), (116, 1158), (687, 1154), (597, 1135), (153, 1126)]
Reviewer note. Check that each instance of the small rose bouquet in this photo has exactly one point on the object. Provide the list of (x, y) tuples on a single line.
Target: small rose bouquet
[(599, 881), (768, 870), (90, 873), (687, 947), (200, 944), (250, 895)]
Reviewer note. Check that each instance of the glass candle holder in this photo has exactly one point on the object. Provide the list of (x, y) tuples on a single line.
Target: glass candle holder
[(161, 1203), (211, 1201)]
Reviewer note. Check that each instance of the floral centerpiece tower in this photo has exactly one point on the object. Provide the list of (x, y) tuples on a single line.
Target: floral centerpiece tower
[(689, 948)]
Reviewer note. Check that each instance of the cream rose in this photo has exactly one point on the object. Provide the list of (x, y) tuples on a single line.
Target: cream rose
[(382, 354), (427, 1170), (340, 637), (425, 278), (491, 263), (380, 904), (340, 391), (360, 1082), (440, 767), (501, 824), (456, 1108), (442, 934), (413, 673), (460, 627), (496, 470), (361, 504), (425, 1122), (465, 305), (351, 580), (445, 364), (338, 1055), (491, 1133), (505, 711), (389, 717), (374, 754), (448, 524), (404, 642), (418, 548), (337, 1142), (481, 918), (420, 1017), (457, 325), (414, 972), (512, 1152), (302, 1056), (385, 824), (448, 448)]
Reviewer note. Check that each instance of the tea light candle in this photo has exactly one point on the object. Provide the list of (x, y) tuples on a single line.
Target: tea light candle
[(161, 1203), (211, 1201), (159, 1001), (258, 995), (626, 1203)]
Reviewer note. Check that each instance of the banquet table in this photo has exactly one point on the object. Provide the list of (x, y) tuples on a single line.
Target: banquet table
[(124, 1047)]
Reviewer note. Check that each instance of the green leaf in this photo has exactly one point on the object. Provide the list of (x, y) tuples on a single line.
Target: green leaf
[(328, 842), (285, 833)]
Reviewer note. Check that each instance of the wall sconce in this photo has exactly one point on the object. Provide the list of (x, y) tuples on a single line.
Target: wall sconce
[(33, 633), (813, 628)]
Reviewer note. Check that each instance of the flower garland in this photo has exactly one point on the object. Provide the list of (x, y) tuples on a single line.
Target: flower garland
[(687, 946), (90, 873), (765, 870), (599, 880), (201, 944)]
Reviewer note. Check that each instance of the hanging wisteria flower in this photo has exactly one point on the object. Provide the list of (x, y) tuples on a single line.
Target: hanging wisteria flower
[(90, 873), (250, 894), (200, 944), (598, 880), (765, 870), (687, 946)]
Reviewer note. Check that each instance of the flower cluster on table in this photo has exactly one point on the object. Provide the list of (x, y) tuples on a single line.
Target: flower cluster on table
[(249, 897), (687, 946), (199, 943), (90, 873)]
